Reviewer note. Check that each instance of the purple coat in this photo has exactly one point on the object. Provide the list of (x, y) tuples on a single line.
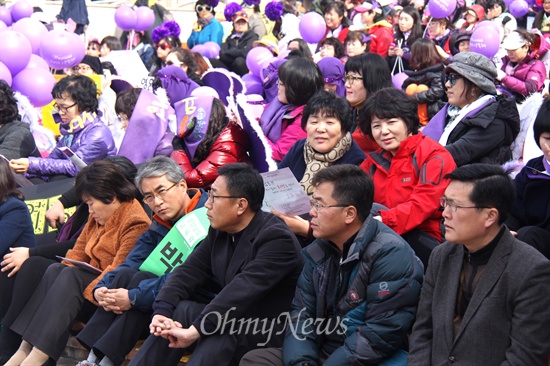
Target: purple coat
[(93, 142)]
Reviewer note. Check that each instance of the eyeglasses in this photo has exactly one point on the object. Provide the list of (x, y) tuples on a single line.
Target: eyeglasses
[(350, 79), (452, 78), (317, 206), (60, 109), (200, 8), (163, 46), (83, 68), (212, 197), (160, 194), (444, 203)]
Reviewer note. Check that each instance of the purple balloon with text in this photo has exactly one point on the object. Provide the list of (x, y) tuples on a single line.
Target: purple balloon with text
[(256, 60), (61, 49), (485, 41)]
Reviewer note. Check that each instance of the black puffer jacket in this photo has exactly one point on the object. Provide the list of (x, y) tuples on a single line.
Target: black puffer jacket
[(433, 78), (234, 47)]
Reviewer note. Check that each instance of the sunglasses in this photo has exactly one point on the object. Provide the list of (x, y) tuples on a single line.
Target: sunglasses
[(164, 46), (452, 78), (200, 8), (170, 63)]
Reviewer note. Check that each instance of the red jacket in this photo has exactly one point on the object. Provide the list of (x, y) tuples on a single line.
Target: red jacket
[(381, 34), (231, 146), (411, 183)]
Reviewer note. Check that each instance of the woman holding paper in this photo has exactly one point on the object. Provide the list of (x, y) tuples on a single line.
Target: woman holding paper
[(64, 294), (82, 131)]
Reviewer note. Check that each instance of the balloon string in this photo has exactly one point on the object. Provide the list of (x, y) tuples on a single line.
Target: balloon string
[(130, 40), (427, 26)]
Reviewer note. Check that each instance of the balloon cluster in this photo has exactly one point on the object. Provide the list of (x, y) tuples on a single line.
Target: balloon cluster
[(139, 20), (28, 51)]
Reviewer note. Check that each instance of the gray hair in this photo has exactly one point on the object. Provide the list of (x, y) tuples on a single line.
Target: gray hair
[(157, 167)]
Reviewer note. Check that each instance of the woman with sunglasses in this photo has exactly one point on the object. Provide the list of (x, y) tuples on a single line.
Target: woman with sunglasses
[(166, 38), (476, 125), (207, 28), (82, 131), (186, 60)]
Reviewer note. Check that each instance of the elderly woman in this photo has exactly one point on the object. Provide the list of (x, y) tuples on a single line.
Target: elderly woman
[(522, 73), (407, 170), (475, 126), (207, 28), (82, 131), (65, 292)]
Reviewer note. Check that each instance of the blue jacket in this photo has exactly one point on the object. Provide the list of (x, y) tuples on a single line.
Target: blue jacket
[(212, 32), (143, 296), (372, 292), (16, 227)]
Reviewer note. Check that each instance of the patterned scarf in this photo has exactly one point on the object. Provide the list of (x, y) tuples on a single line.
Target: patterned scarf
[(316, 161)]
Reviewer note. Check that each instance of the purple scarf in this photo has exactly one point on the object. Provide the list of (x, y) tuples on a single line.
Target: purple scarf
[(177, 84), (269, 82), (193, 117), (272, 119), (546, 164)]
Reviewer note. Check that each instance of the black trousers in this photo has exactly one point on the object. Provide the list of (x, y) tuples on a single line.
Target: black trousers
[(112, 335), (45, 321)]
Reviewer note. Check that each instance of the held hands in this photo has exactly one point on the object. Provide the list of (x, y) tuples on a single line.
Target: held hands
[(55, 213), (20, 166), (14, 260), (159, 324), (115, 300)]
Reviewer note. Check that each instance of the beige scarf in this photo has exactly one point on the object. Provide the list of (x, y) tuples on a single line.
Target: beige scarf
[(316, 161)]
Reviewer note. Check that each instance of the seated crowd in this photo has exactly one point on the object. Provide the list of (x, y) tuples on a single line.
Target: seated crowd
[(420, 245)]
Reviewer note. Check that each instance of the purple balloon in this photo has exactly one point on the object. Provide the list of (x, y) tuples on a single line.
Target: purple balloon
[(33, 30), (488, 23), (398, 79), (312, 27), (145, 17), (3, 26), (256, 59), (284, 54), (20, 10), (441, 8), (36, 84), (61, 49), (37, 62), (518, 8), (15, 51), (485, 41), (253, 84), (5, 15), (5, 74), (200, 49), (214, 48), (125, 18)]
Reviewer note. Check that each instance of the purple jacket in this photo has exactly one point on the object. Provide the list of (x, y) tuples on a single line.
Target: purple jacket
[(93, 142)]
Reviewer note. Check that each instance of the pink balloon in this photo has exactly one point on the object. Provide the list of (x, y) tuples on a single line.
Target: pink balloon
[(312, 27), (20, 10), (485, 41), (125, 18), (205, 91), (36, 84), (61, 49), (5, 15), (145, 17), (398, 79), (15, 50), (37, 62), (441, 8), (518, 8), (256, 58), (5, 74), (33, 30)]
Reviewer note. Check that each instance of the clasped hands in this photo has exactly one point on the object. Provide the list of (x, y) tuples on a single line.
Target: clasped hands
[(113, 299), (179, 337)]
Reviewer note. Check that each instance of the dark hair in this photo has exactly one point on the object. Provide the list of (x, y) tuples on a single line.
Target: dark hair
[(380, 13), (217, 122), (374, 70), (172, 41), (81, 89), (401, 106), (490, 4), (109, 66), (493, 187), (124, 165), (304, 48), (542, 121), (112, 42), (302, 78), (357, 36), (471, 90), (351, 186), (103, 181), (416, 31), (330, 105), (186, 58), (8, 104), (244, 181), (94, 42), (336, 43), (8, 186), (525, 34), (424, 54), (159, 166), (340, 9), (126, 101)]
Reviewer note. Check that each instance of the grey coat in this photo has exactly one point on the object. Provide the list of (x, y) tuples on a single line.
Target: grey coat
[(507, 321)]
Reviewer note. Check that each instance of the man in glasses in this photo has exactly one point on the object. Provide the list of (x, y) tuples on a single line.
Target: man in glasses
[(485, 299), (358, 291), (250, 258)]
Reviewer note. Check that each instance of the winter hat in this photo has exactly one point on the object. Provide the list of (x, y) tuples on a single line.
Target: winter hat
[(477, 11), (513, 41), (333, 73), (94, 63), (476, 68)]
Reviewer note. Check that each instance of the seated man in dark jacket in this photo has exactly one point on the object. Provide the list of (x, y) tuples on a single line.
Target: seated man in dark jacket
[(126, 295), (357, 295), (238, 43), (254, 260)]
